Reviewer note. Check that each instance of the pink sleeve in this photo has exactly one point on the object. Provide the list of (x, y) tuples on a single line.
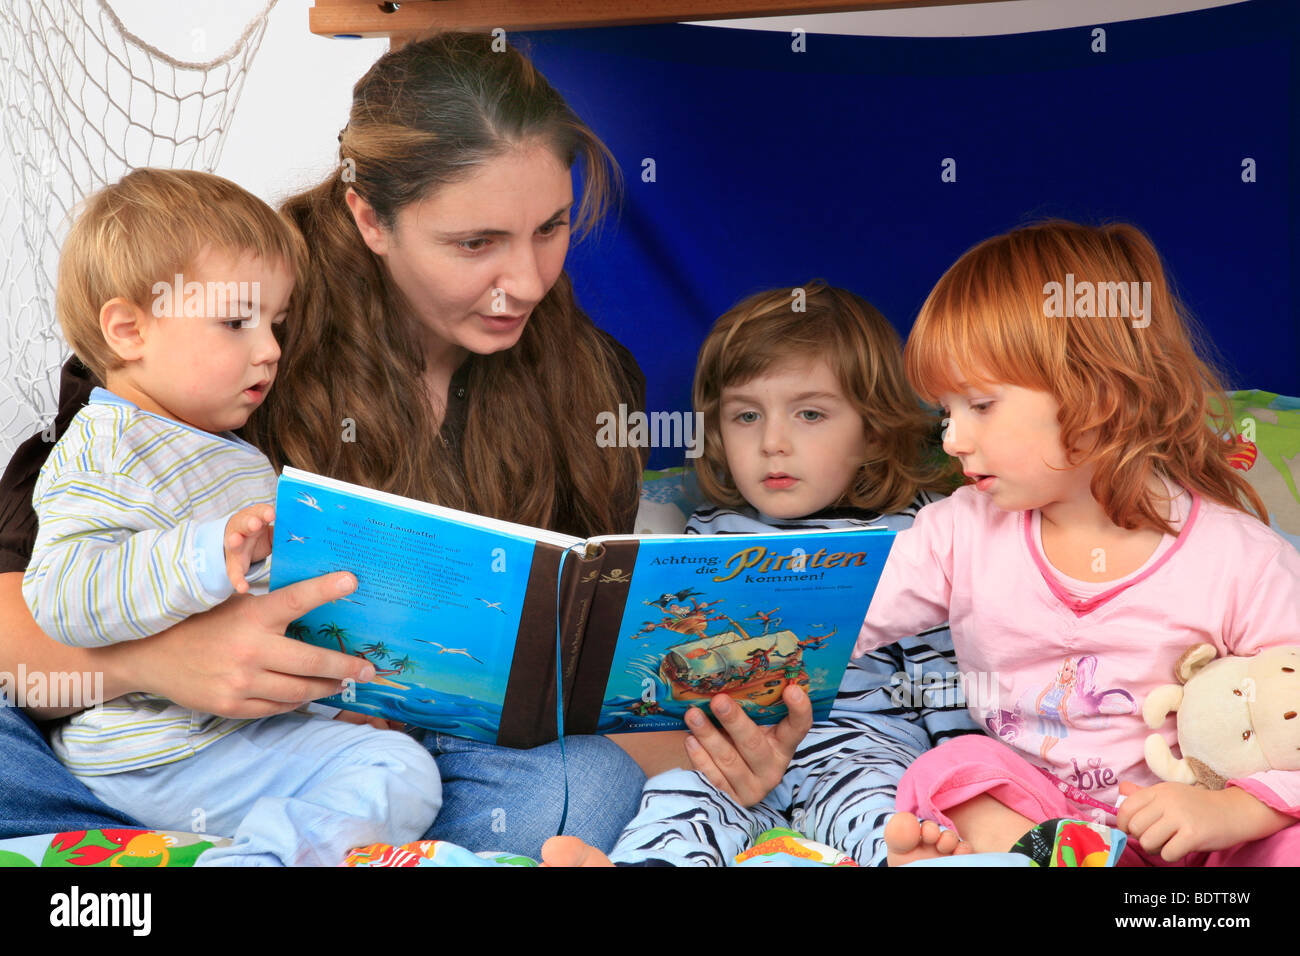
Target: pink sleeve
[(1278, 789), (1264, 608), (916, 585), (1268, 615)]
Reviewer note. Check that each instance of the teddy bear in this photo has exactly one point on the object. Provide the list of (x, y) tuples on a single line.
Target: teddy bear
[(1236, 716)]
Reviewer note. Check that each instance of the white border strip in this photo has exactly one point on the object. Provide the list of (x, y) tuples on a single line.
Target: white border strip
[(975, 19)]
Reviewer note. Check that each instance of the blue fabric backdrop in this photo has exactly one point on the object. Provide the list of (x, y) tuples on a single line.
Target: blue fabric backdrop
[(773, 167)]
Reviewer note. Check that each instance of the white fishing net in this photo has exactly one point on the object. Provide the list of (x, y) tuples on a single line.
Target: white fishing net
[(85, 101)]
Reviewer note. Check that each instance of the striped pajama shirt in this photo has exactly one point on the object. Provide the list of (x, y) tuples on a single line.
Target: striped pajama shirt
[(132, 509)]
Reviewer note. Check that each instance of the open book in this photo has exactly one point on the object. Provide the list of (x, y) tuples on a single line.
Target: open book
[(462, 615)]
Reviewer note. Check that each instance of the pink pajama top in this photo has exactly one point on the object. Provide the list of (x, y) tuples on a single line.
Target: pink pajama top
[(1059, 668)]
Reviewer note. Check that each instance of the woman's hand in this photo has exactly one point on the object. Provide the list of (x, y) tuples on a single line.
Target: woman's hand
[(744, 760), (235, 661)]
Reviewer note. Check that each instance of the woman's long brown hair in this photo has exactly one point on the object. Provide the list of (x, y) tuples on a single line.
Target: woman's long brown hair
[(424, 116)]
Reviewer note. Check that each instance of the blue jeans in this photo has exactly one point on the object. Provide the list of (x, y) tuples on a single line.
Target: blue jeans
[(37, 794), (495, 798)]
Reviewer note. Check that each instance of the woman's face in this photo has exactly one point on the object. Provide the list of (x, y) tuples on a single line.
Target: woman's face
[(475, 257)]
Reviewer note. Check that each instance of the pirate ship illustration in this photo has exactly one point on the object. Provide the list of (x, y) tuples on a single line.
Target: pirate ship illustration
[(753, 669)]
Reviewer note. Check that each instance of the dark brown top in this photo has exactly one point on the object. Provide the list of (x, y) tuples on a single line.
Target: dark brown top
[(18, 520)]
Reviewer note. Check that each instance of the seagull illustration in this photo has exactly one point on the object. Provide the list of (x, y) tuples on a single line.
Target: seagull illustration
[(293, 537), (451, 650), (308, 500), (495, 605)]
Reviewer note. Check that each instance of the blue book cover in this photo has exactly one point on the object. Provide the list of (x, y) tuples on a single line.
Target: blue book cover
[(480, 628), (439, 601), (742, 615)]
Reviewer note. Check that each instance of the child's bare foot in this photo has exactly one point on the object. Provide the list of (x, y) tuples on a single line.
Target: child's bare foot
[(570, 851), (910, 839)]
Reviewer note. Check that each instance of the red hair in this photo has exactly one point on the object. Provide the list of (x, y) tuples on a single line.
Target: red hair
[(1133, 391)]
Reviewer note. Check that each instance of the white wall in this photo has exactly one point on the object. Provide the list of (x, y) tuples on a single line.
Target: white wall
[(296, 96)]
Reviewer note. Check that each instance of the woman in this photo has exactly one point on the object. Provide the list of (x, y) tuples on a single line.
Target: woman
[(435, 351)]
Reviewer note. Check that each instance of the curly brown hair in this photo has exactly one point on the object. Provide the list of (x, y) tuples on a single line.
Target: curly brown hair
[(865, 354)]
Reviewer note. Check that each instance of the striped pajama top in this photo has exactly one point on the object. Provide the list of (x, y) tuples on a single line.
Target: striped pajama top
[(923, 684), (132, 509)]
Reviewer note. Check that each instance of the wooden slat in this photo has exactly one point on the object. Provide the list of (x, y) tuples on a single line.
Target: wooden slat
[(365, 18)]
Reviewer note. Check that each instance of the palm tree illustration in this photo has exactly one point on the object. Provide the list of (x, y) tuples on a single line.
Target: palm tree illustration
[(298, 631), (334, 632), (379, 649), (400, 665)]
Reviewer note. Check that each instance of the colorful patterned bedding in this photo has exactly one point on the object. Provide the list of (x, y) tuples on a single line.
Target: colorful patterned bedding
[(138, 848), (1270, 424), (156, 848)]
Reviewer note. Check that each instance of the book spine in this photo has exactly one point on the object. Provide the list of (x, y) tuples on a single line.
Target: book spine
[(528, 718), (532, 668), (602, 635), (585, 572)]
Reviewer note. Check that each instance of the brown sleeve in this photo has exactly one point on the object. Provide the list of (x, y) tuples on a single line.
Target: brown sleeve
[(17, 519)]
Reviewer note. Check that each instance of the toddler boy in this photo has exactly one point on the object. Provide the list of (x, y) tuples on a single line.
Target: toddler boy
[(150, 510)]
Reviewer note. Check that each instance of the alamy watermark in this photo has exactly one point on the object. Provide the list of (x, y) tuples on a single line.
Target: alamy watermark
[(228, 300), (921, 688), (1084, 299), (651, 430), (79, 689), (76, 908)]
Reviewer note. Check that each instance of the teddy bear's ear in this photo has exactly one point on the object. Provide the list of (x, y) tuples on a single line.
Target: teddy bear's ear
[(1193, 660)]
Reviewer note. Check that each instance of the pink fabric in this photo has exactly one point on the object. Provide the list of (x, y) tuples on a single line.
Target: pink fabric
[(1257, 787), (1064, 685), (966, 767), (1080, 608)]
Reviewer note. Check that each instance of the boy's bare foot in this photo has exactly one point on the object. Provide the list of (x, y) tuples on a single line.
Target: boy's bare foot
[(909, 840), (570, 851)]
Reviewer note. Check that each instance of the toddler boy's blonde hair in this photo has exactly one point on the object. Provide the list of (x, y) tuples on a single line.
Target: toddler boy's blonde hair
[(149, 227)]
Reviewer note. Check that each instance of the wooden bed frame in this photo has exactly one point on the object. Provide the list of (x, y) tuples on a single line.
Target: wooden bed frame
[(400, 21)]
